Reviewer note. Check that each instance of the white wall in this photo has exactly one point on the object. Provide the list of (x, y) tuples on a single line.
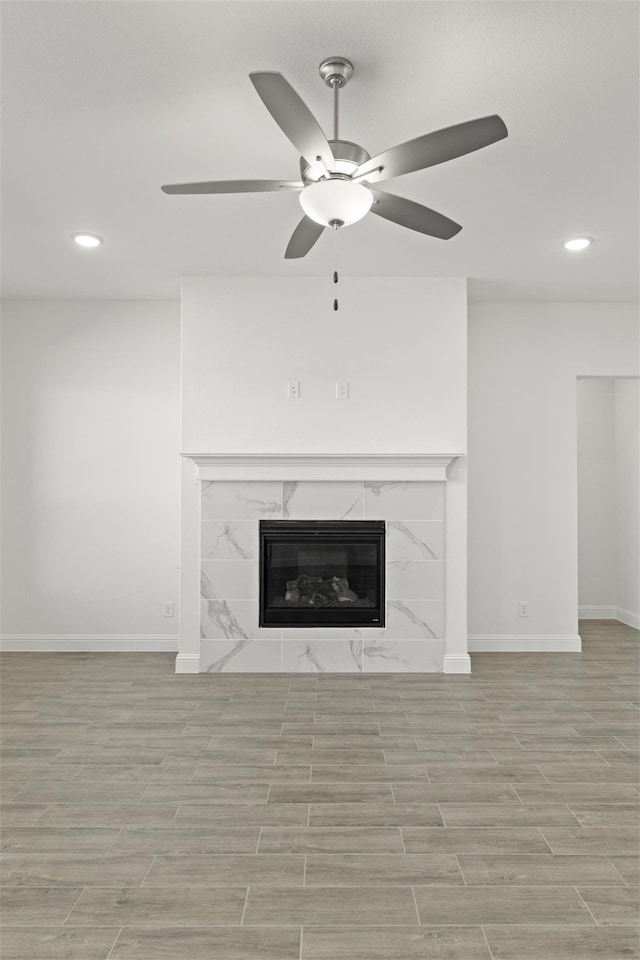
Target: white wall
[(524, 359), (90, 471), (627, 448), (399, 342), (90, 428), (597, 520)]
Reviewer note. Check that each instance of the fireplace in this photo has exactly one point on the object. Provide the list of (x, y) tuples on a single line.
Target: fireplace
[(422, 599), (322, 573)]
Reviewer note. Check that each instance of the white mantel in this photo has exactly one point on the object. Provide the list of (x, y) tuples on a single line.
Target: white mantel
[(446, 469), (380, 467)]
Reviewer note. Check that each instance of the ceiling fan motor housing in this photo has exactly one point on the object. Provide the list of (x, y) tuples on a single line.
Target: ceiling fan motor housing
[(348, 158)]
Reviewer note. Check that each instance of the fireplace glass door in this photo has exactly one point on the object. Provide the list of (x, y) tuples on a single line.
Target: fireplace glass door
[(316, 573)]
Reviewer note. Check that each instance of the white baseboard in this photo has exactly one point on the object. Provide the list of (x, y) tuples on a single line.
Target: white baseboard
[(87, 643), (596, 613), (459, 663), (628, 616), (188, 663), (545, 643), (610, 613)]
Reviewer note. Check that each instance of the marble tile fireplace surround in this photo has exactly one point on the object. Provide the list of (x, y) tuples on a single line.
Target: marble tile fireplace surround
[(225, 497)]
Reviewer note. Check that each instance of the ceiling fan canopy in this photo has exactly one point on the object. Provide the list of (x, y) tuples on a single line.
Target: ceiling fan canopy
[(337, 176)]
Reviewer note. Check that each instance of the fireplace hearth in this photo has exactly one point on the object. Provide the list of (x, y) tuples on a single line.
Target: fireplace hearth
[(320, 573)]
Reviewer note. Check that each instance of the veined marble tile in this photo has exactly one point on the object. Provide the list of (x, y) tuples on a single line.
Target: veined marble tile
[(321, 633), (240, 656), (410, 620), (229, 540), (229, 580), (408, 500), (241, 500), (317, 500), (415, 540), (415, 580), (403, 656), (232, 620), (322, 656)]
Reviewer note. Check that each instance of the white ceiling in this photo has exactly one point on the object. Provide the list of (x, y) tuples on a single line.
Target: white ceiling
[(105, 101)]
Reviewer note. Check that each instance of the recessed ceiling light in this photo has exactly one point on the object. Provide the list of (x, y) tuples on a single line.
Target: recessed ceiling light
[(579, 243), (87, 239)]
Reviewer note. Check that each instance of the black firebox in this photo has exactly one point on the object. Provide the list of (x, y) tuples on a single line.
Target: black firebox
[(322, 573)]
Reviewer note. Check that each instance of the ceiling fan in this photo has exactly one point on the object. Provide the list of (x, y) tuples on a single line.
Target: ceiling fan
[(336, 188)]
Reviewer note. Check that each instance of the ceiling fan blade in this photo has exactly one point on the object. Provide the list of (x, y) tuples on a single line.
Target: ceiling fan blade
[(413, 215), (293, 116), (232, 186), (303, 238), (433, 148)]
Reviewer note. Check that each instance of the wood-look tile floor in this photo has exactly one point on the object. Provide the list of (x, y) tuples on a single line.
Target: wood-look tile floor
[(149, 816)]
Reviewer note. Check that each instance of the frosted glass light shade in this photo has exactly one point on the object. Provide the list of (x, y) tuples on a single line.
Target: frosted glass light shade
[(330, 200)]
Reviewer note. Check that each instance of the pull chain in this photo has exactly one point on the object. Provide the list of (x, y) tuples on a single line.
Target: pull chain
[(335, 260)]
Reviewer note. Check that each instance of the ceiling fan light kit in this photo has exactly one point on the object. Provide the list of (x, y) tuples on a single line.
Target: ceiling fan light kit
[(336, 202), (336, 175)]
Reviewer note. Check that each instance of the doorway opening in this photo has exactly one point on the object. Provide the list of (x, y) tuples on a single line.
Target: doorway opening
[(608, 482)]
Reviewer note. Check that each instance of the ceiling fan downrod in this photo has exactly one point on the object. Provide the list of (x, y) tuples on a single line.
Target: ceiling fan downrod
[(336, 73)]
